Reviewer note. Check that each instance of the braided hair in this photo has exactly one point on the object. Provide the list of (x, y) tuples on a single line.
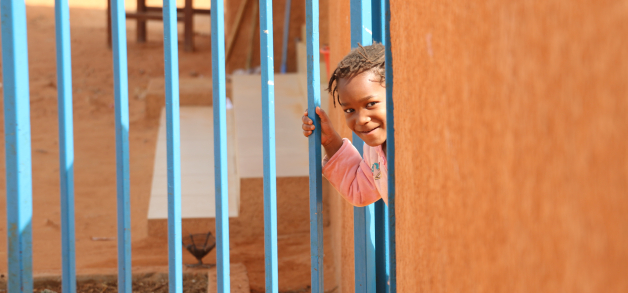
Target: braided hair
[(359, 60)]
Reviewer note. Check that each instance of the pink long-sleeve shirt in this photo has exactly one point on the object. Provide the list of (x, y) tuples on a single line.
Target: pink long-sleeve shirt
[(360, 181)]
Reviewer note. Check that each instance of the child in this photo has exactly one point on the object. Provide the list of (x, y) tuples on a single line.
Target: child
[(359, 81)]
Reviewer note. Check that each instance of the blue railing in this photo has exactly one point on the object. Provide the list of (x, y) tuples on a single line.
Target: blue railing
[(373, 225)]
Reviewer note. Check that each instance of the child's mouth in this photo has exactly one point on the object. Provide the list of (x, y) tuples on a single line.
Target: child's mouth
[(369, 131)]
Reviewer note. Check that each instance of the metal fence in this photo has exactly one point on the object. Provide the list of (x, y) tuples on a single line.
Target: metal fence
[(374, 225)]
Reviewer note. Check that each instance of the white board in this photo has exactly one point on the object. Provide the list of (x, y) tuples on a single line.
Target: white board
[(197, 166), (290, 103)]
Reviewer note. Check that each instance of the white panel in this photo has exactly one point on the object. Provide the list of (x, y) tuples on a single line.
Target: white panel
[(197, 166)]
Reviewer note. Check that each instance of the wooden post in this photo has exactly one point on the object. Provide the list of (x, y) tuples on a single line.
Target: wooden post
[(141, 22), (109, 24), (188, 26)]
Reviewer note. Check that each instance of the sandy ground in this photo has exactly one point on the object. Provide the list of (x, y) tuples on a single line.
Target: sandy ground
[(95, 181)]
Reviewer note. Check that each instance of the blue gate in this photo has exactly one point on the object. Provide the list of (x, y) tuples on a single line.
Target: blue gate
[(374, 233)]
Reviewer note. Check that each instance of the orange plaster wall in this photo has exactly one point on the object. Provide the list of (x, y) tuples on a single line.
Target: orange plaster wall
[(512, 145), (512, 149)]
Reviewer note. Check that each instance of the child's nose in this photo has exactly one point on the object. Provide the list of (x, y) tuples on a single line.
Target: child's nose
[(363, 118)]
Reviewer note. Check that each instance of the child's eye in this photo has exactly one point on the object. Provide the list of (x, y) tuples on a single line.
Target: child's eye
[(349, 110), (371, 104)]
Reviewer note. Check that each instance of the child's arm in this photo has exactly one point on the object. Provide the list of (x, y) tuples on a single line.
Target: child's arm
[(351, 176), (343, 165)]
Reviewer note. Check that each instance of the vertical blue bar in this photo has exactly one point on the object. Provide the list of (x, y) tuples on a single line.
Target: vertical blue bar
[(390, 156), (363, 218), (17, 135), (379, 21), (66, 144), (171, 57), (268, 122), (121, 92), (381, 233), (314, 142), (220, 147), (380, 247)]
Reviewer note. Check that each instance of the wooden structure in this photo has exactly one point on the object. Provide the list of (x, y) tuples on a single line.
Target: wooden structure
[(145, 13)]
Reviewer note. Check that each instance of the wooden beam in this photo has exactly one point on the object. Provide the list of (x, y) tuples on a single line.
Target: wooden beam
[(149, 16), (179, 10)]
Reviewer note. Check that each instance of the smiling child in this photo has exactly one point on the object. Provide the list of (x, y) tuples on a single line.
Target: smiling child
[(359, 85)]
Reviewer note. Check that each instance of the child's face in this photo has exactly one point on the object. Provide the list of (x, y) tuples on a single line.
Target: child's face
[(363, 101)]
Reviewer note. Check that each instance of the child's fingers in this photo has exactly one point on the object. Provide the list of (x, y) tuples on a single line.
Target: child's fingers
[(307, 133), (305, 119), (321, 113), (308, 127)]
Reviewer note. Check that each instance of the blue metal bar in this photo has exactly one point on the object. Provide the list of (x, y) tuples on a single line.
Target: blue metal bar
[(121, 92), (364, 246), (286, 33), (220, 146), (173, 138), (268, 123), (314, 142), (381, 277), (17, 135), (363, 218), (379, 20), (390, 157), (381, 232), (66, 144)]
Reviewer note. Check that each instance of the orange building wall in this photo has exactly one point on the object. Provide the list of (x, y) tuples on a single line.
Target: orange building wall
[(512, 146)]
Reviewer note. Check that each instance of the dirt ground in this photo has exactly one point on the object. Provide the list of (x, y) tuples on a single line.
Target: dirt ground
[(95, 181), (150, 283)]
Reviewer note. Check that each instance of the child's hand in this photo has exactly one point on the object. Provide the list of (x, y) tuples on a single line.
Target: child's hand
[(330, 139), (327, 128)]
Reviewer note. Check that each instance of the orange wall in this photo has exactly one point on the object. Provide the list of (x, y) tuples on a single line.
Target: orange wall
[(512, 146)]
